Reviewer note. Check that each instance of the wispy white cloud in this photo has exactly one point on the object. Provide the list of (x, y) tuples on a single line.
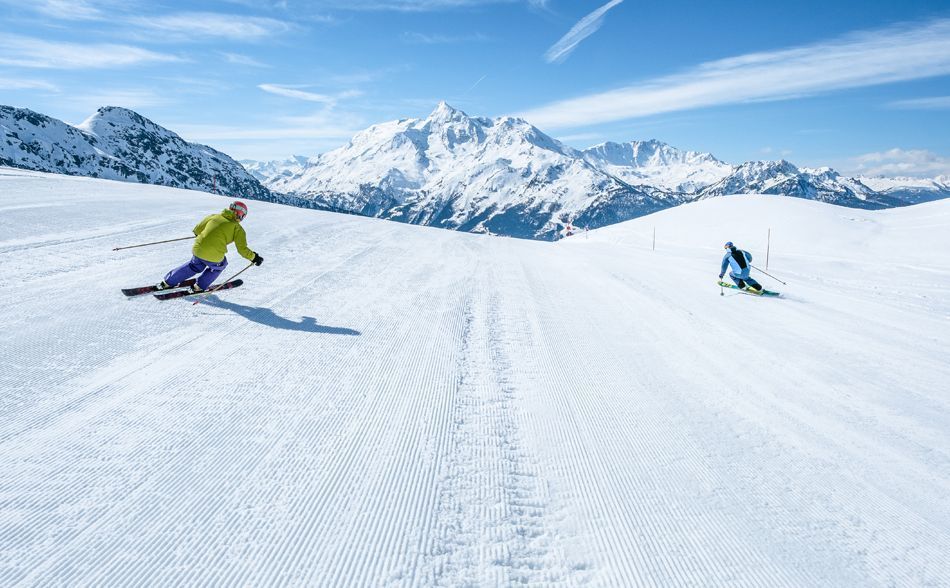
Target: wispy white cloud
[(319, 125), (280, 136), (298, 94), (363, 76), (863, 59), (127, 98), (585, 138), (22, 51), (933, 103), (414, 5), (199, 86), (238, 59), (26, 84), (202, 25), (142, 20), (769, 151), (208, 133), (901, 162), (584, 28), (439, 39), (68, 9)]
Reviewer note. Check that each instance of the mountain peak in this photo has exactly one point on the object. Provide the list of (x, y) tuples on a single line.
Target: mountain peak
[(120, 144), (444, 112), (111, 118)]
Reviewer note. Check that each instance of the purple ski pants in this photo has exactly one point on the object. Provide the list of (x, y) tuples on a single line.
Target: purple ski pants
[(208, 269)]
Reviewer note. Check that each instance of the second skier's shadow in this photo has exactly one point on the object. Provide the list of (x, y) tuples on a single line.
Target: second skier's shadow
[(266, 316)]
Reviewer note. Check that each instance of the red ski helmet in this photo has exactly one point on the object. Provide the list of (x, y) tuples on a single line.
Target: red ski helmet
[(239, 209)]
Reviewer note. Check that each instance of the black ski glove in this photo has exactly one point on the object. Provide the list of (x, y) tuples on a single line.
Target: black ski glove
[(258, 260)]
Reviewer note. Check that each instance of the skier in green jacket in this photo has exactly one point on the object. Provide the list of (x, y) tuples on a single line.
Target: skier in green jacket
[(212, 236)]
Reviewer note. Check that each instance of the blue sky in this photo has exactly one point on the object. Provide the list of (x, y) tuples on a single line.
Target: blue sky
[(861, 86)]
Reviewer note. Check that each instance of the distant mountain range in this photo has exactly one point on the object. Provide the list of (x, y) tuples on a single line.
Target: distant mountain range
[(500, 176), (505, 176)]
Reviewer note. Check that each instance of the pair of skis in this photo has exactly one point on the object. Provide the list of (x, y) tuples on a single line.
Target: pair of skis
[(763, 292), (180, 291)]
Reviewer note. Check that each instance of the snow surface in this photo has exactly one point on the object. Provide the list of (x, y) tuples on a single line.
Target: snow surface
[(386, 404)]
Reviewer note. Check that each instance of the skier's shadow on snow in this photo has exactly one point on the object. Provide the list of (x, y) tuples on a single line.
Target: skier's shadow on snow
[(266, 316)]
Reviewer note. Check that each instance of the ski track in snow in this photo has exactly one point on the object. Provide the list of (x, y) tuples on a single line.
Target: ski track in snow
[(389, 405)]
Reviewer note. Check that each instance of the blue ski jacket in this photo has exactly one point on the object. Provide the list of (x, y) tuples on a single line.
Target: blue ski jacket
[(738, 260)]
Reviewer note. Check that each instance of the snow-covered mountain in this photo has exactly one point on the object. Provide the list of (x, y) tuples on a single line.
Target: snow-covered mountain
[(655, 163), (506, 176), (476, 174), (783, 178), (910, 190), (268, 171), (119, 144)]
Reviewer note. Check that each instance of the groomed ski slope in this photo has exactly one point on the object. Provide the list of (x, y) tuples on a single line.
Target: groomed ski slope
[(391, 405)]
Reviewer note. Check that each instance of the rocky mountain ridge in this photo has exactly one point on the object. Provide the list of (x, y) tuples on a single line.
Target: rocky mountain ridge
[(120, 144)]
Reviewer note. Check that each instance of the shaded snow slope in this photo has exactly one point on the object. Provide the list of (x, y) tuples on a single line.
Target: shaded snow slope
[(390, 405)]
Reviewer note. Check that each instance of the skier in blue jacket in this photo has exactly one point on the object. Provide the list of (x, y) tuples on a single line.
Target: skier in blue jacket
[(738, 260)]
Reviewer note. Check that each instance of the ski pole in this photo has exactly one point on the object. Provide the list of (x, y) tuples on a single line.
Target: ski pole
[(769, 275), (215, 289), (155, 243)]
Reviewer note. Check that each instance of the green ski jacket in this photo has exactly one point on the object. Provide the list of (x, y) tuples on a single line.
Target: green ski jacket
[(213, 234)]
